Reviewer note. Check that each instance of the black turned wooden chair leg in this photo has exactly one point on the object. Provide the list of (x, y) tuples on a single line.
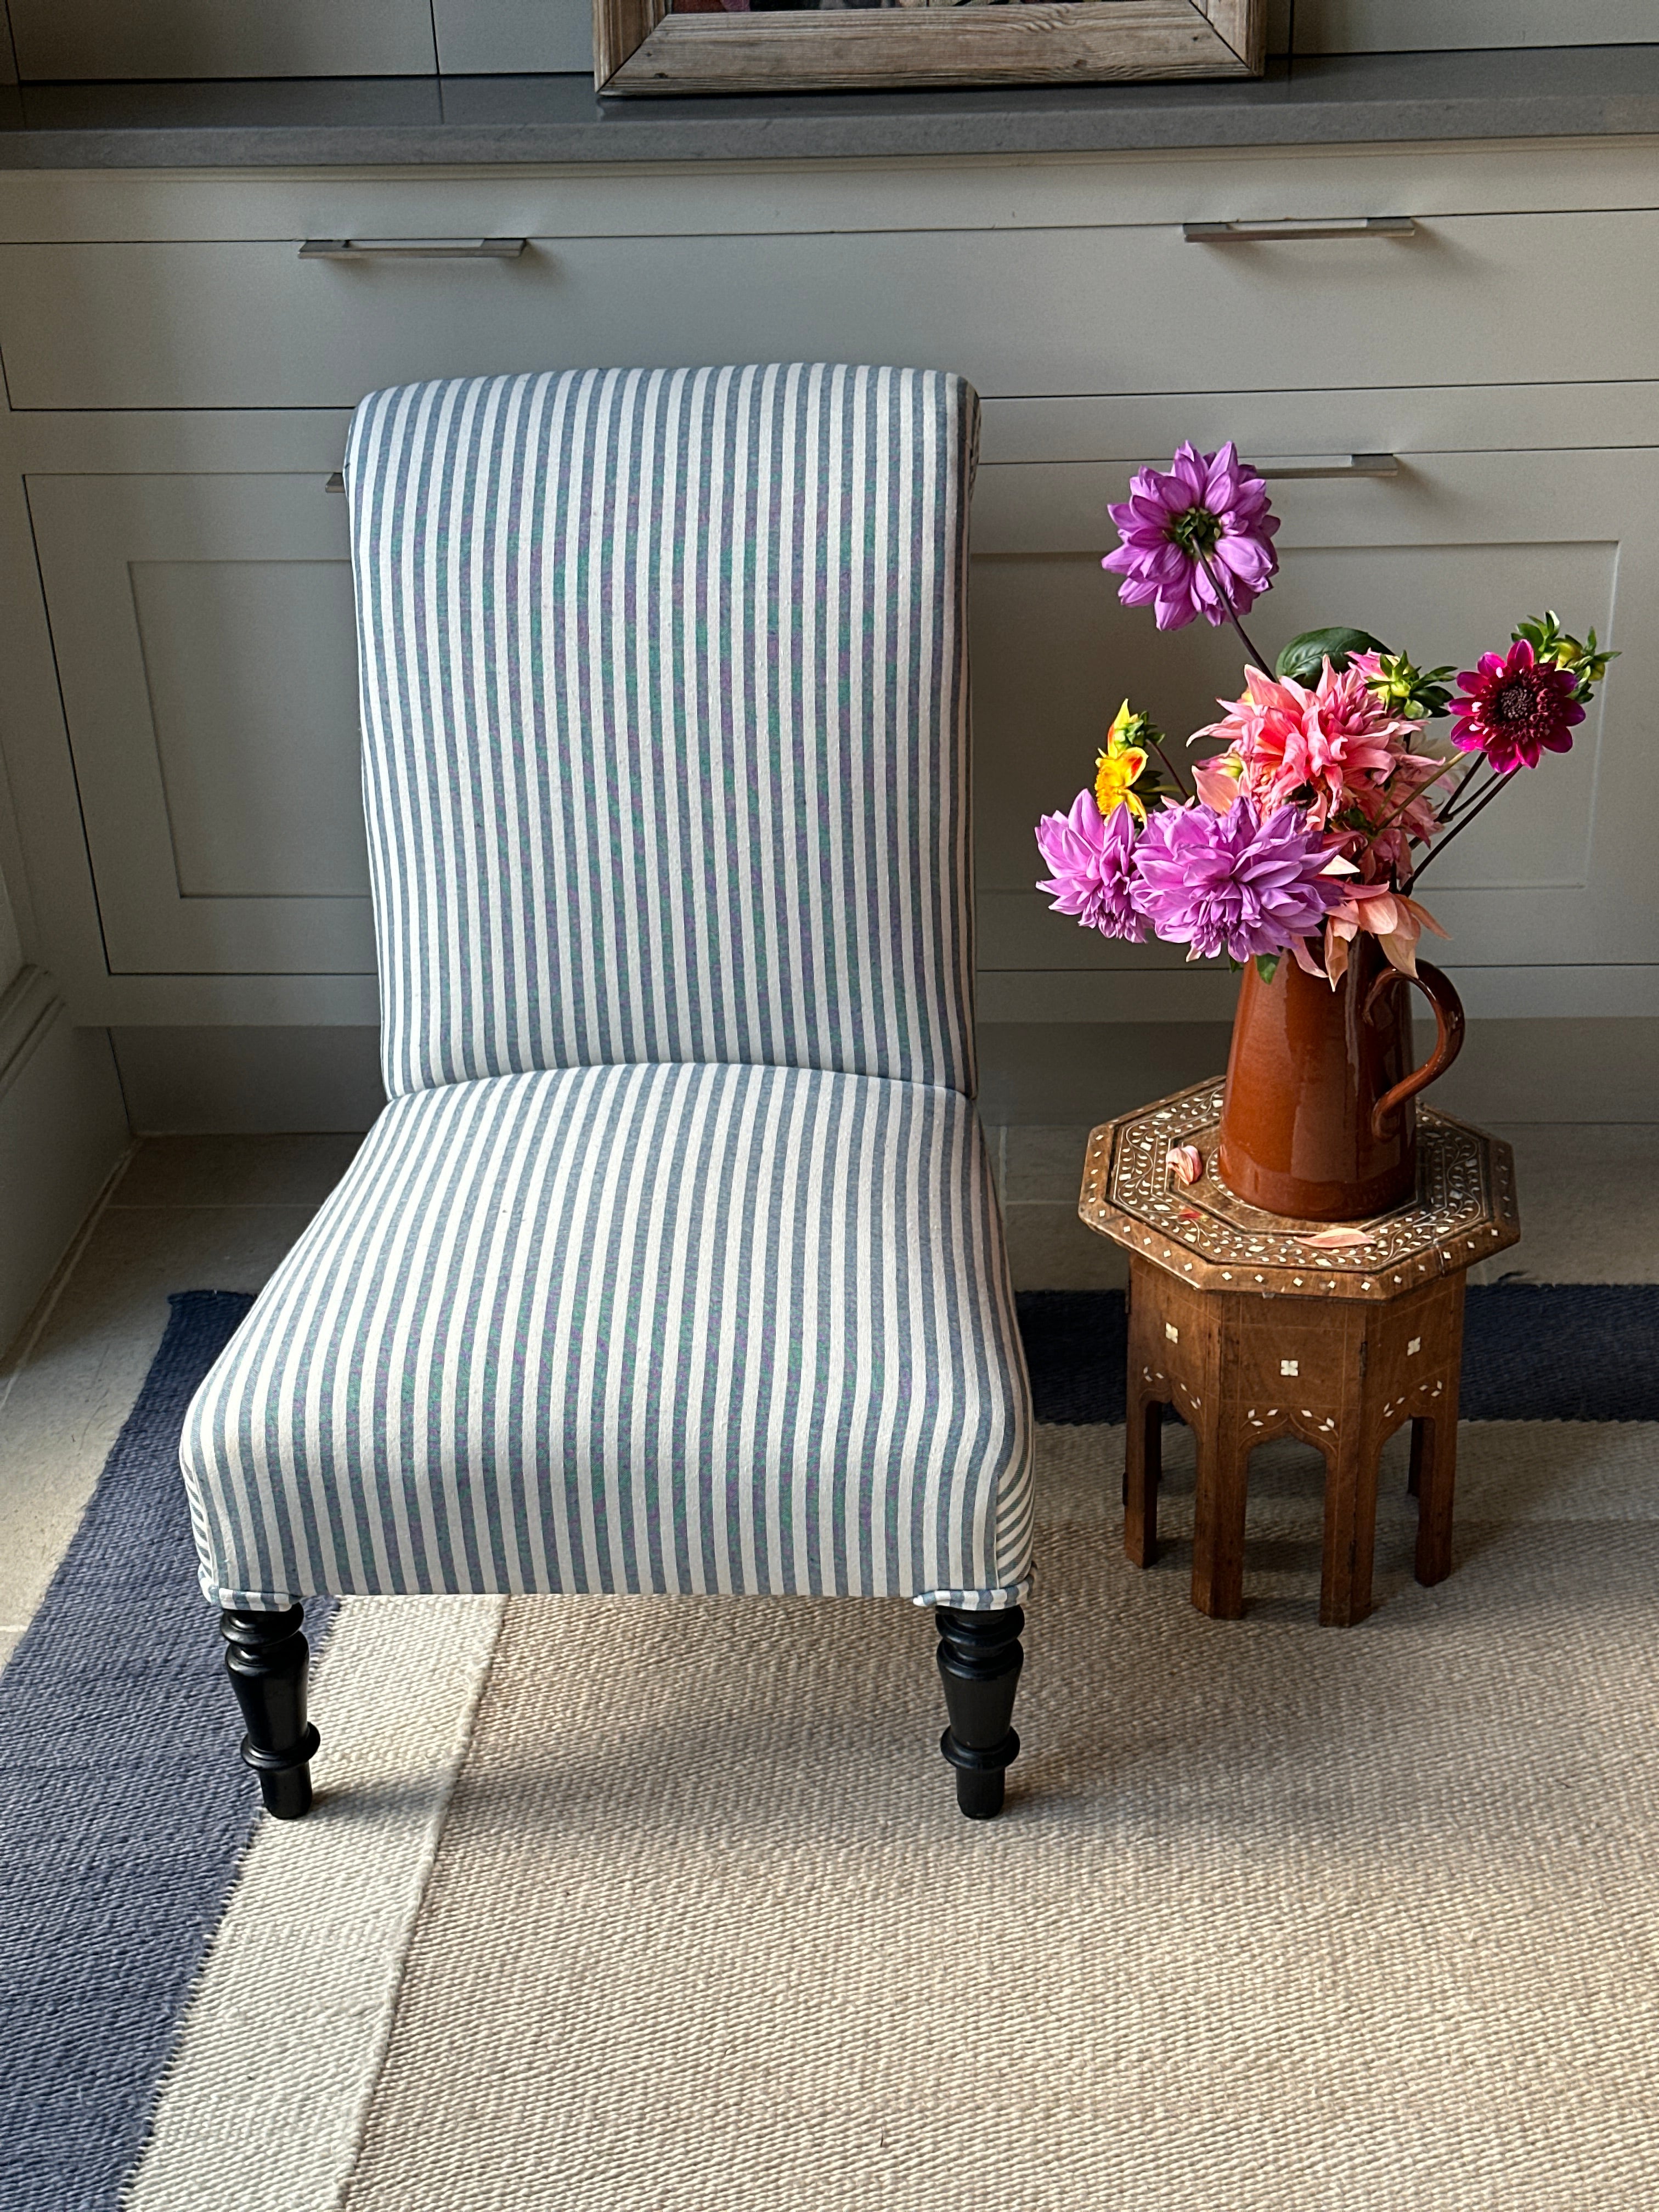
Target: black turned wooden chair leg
[(266, 1662), (979, 1661)]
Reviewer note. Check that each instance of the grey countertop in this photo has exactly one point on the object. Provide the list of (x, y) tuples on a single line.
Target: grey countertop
[(1543, 93)]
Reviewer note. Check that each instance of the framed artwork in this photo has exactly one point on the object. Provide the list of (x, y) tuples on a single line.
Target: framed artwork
[(643, 47)]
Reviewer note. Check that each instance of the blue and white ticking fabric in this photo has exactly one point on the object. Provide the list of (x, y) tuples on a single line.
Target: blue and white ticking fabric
[(674, 1262), (665, 719), (667, 1329)]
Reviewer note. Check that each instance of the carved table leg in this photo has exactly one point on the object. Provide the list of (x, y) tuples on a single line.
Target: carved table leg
[(980, 1658), (1143, 1467), (1434, 1470), (1345, 1581), (266, 1662), (1224, 1456)]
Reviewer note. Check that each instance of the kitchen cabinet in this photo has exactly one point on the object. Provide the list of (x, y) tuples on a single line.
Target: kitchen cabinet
[(182, 727)]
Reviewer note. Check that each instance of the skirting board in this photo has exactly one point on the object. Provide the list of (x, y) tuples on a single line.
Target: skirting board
[(247, 1081), (62, 1130), (1597, 1070), (1159, 987)]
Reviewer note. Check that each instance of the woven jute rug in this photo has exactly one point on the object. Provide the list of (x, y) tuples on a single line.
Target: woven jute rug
[(631, 1903)]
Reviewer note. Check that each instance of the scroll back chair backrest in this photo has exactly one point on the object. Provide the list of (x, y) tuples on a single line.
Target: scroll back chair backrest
[(665, 720)]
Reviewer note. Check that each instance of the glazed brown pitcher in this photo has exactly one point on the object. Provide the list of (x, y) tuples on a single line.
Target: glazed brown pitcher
[(1319, 1119)]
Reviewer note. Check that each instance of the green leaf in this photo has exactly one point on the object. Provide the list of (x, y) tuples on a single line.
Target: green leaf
[(1304, 657), (1266, 963)]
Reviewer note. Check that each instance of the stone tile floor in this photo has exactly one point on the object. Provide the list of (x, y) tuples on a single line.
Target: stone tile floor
[(218, 1212)]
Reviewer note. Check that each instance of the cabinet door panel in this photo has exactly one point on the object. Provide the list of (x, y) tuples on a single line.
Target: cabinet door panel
[(207, 651), (252, 669), (1442, 559), (509, 38), (1132, 309)]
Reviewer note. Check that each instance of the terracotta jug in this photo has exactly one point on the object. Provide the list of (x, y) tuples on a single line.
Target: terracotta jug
[(1320, 1120)]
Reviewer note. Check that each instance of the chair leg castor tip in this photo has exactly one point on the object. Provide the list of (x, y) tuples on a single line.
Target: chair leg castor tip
[(287, 1797), (979, 1796), (285, 1781), (981, 1773)]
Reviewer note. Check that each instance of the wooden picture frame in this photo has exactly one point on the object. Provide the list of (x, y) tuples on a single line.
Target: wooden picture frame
[(643, 46)]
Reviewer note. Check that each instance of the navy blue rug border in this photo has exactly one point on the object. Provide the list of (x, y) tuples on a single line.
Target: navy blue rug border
[(123, 1809), (1532, 1352)]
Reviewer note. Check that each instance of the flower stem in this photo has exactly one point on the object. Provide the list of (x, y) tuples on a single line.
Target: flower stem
[(1168, 768), (1468, 776), (1435, 851), (1226, 600), (1388, 820), (1460, 805)]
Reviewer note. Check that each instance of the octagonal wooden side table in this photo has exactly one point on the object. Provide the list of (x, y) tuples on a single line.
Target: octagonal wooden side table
[(1252, 1329)]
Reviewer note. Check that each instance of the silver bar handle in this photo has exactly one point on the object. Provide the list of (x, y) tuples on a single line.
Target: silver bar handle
[(412, 249), (1341, 225), (1328, 464), (336, 480)]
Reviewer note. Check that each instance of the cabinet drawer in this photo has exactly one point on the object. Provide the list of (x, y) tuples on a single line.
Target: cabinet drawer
[(1136, 308)]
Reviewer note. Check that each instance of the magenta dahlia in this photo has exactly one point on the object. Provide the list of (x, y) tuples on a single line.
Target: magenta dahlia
[(1210, 509), (1515, 708), (1232, 882), (1093, 858)]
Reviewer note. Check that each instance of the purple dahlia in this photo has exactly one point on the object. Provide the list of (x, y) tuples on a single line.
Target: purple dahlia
[(1232, 882), (1210, 509), (1093, 858), (1515, 708)]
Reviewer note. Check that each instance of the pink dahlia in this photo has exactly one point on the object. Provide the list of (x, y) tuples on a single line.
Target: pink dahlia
[(1093, 858), (1233, 882), (1337, 741), (1515, 708), (1388, 916), (1211, 507)]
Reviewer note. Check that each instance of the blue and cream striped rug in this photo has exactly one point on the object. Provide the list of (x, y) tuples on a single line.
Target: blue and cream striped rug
[(617, 1903)]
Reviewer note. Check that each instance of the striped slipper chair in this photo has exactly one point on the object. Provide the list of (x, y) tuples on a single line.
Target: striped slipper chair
[(674, 1262)]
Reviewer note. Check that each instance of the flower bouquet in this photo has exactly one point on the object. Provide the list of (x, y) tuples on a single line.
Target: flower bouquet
[(1295, 847)]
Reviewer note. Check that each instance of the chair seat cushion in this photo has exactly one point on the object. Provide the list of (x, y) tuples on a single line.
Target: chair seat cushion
[(642, 1327)]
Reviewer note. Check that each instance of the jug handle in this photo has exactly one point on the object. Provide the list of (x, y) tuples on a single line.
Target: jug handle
[(1437, 988)]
